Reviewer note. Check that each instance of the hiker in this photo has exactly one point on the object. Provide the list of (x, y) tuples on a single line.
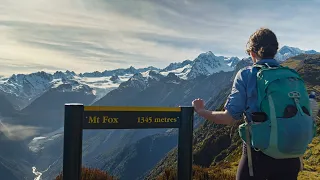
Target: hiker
[(259, 159), (314, 105)]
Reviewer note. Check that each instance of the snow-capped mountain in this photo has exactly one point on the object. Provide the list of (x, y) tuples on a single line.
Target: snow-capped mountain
[(142, 80), (232, 61), (176, 65), (287, 52), (28, 87), (136, 81), (207, 64), (153, 75), (180, 71), (115, 79), (22, 89)]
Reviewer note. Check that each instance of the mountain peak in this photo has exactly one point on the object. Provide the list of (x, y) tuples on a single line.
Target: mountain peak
[(232, 61), (172, 78), (172, 75), (287, 49), (42, 74), (176, 65), (136, 81), (153, 76), (60, 74), (71, 73), (207, 64), (287, 52), (311, 52), (153, 73), (208, 53), (137, 76), (115, 78), (131, 68)]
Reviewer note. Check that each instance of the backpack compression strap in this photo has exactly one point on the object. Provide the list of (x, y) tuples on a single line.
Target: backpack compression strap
[(248, 127)]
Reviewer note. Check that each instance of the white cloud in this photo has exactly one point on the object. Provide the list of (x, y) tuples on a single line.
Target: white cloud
[(17, 132), (94, 35)]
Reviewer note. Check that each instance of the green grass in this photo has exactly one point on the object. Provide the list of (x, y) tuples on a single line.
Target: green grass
[(227, 168), (292, 63), (311, 159)]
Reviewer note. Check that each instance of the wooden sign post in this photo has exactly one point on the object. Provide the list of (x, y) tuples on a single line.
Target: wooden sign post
[(79, 117)]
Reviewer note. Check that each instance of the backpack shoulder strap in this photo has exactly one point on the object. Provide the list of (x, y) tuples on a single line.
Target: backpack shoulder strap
[(266, 66)]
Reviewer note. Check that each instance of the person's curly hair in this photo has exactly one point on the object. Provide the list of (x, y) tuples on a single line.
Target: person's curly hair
[(264, 43)]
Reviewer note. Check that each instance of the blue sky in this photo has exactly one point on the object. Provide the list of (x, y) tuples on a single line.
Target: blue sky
[(85, 36)]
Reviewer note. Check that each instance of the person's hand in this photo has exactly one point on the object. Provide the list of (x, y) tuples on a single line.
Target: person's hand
[(198, 105)]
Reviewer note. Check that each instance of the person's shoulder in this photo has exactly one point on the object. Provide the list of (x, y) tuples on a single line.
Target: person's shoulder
[(245, 71)]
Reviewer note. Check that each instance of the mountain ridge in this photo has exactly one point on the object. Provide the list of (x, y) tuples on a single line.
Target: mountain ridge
[(217, 148), (172, 87), (25, 88), (22, 89), (170, 91)]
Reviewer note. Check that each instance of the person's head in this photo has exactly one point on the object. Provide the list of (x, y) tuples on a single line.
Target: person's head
[(312, 95), (262, 44)]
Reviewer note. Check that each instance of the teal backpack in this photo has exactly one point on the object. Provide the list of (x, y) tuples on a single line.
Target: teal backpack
[(280, 137)]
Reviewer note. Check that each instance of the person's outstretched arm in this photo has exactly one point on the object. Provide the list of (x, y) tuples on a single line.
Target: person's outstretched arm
[(234, 107), (218, 117)]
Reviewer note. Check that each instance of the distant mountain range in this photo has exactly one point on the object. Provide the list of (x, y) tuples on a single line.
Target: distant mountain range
[(36, 100), (22, 89), (287, 52)]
